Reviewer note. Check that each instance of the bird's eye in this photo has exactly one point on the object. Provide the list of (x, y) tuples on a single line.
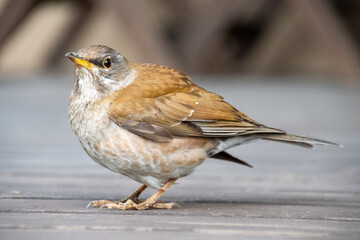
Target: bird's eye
[(107, 63)]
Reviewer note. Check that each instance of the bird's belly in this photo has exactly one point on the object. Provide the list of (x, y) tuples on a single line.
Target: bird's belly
[(151, 163)]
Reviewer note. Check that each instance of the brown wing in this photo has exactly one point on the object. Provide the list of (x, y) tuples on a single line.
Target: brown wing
[(162, 103)]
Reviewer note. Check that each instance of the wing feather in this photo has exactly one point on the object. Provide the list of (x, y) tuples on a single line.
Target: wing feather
[(166, 104)]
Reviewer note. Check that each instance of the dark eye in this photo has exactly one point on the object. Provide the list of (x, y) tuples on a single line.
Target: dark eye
[(107, 63)]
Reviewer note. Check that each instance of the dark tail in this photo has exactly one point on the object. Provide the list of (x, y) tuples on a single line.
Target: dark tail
[(299, 140)]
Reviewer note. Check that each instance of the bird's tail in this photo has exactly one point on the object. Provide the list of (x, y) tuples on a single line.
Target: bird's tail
[(299, 140), (302, 141)]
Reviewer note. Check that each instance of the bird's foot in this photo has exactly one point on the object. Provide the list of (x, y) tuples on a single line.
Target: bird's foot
[(131, 205), (134, 199), (100, 203)]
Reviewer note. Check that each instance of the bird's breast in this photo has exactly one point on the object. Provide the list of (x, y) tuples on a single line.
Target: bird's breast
[(146, 161)]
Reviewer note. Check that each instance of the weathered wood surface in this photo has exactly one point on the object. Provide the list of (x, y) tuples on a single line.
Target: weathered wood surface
[(46, 180)]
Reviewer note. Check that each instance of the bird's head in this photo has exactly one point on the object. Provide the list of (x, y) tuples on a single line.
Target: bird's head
[(100, 70)]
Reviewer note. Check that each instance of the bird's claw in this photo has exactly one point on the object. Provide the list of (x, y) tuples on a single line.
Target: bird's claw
[(98, 203), (131, 205)]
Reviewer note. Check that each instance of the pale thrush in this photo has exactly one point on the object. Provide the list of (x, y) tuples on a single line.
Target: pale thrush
[(153, 124)]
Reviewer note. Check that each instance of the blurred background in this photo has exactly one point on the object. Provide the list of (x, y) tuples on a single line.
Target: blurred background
[(252, 37), (289, 64)]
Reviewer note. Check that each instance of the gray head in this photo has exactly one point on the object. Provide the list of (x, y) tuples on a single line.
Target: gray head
[(98, 68)]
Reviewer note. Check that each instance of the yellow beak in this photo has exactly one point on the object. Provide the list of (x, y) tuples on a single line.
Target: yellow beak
[(79, 61)]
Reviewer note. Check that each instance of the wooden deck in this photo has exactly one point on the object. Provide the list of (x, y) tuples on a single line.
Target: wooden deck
[(46, 180)]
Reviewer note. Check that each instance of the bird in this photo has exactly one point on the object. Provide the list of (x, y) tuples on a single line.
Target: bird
[(153, 124)]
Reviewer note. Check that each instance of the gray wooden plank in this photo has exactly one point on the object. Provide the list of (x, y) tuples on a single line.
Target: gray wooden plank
[(255, 220), (235, 218)]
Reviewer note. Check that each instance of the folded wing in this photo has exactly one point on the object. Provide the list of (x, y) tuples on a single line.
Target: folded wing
[(164, 103)]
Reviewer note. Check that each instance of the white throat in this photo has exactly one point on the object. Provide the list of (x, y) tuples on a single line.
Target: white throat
[(87, 88)]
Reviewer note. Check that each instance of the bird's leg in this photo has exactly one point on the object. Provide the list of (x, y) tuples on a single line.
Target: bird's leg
[(151, 202), (134, 197)]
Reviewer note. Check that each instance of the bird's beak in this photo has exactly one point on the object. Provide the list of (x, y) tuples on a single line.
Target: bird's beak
[(79, 61)]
